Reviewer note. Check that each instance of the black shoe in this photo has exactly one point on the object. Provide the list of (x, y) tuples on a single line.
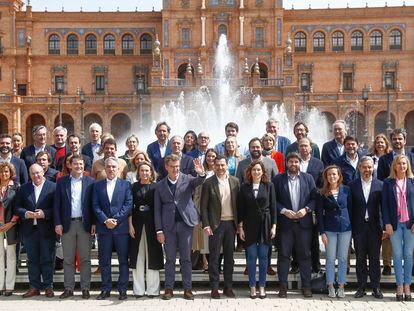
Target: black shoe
[(122, 295), (407, 297), (86, 294), (399, 297), (58, 264), (66, 294), (294, 270), (103, 295), (360, 293), (386, 270), (139, 296), (376, 292)]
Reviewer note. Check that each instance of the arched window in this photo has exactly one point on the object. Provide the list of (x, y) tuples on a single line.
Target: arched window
[(72, 45), (145, 44), (222, 30), (375, 40), (90, 44), (300, 42), (357, 41), (127, 45), (319, 42), (54, 44), (395, 40), (337, 41), (109, 45)]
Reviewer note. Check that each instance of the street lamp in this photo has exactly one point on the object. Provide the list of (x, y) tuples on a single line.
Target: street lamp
[(388, 85), (60, 109), (82, 129), (365, 96), (304, 85)]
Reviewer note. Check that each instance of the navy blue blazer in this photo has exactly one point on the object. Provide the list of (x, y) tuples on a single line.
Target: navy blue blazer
[(389, 202), (330, 152), (307, 199), (315, 168), (167, 203), (335, 215), (186, 167), (29, 157), (51, 174), (153, 151), (282, 143), (384, 164), (62, 209), (87, 150), (22, 176), (348, 171), (119, 208), (359, 206), (25, 201), (294, 147)]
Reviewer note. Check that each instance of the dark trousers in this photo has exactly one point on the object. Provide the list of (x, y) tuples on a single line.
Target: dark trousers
[(367, 243), (297, 239), (181, 236), (120, 242), (222, 236), (40, 259), (315, 251)]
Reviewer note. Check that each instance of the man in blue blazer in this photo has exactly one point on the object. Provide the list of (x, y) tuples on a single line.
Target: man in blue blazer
[(39, 137), (112, 203), (90, 149), (7, 156), (75, 224), (295, 193), (348, 162), (160, 148), (34, 205), (367, 227), (334, 148), (281, 142), (175, 218)]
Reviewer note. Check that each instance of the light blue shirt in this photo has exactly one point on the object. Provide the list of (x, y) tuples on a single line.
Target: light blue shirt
[(294, 191), (76, 196)]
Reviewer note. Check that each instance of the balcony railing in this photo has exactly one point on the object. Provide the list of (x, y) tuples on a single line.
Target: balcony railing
[(174, 82), (271, 82)]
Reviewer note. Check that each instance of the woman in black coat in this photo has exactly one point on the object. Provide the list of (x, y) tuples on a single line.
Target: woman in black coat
[(145, 253), (257, 222), (8, 228)]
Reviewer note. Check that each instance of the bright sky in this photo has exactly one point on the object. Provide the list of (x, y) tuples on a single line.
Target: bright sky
[(146, 5)]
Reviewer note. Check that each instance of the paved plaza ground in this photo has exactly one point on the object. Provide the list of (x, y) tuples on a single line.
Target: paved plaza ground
[(203, 302)]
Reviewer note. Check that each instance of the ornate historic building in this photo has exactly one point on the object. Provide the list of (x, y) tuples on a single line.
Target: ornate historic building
[(118, 68)]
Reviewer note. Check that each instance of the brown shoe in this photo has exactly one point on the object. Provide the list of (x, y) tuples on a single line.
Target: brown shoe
[(307, 292), (188, 294), (168, 294), (270, 271), (215, 294), (31, 293), (228, 292), (49, 293)]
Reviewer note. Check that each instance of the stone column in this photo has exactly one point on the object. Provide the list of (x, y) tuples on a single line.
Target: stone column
[(241, 4), (241, 19), (203, 31)]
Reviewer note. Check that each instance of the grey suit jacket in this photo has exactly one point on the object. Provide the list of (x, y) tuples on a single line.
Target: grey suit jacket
[(210, 201), (165, 202), (269, 164)]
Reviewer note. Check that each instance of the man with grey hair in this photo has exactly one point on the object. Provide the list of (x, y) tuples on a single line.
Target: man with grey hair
[(39, 144), (186, 162), (367, 227), (281, 142), (60, 135), (334, 148), (92, 148), (203, 139), (112, 204)]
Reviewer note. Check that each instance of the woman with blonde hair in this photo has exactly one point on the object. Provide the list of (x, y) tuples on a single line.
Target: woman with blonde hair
[(232, 154), (139, 157), (380, 147)]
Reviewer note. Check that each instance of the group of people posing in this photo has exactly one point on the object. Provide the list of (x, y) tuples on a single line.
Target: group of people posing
[(181, 195)]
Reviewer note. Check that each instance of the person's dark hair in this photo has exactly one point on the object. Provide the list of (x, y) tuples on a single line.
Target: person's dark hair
[(192, 133), (232, 125), (161, 124), (255, 139), (75, 157), (301, 123), (325, 190), (110, 141), (171, 158), (74, 136), (350, 138), (205, 164), (394, 132), (11, 168), (249, 177), (5, 136), (292, 155), (220, 157), (42, 153)]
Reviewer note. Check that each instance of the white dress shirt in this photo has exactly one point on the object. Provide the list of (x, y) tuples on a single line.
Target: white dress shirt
[(366, 188), (304, 165), (163, 149), (37, 191), (110, 187), (76, 196), (354, 163)]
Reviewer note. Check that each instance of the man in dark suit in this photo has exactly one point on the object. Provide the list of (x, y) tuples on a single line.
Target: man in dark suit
[(334, 148), (203, 139), (112, 203), (74, 145), (367, 227), (74, 222), (348, 162), (281, 142), (219, 218), (7, 156), (91, 149), (175, 218), (160, 148), (44, 159), (34, 205), (295, 193), (186, 162), (29, 152), (300, 130)]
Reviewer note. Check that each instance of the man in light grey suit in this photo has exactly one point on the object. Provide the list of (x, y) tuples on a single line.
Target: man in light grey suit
[(175, 218)]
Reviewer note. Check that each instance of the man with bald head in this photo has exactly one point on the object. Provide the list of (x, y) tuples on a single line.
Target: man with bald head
[(34, 205), (334, 148)]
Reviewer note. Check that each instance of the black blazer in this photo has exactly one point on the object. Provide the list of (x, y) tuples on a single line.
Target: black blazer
[(330, 152), (359, 206), (257, 214), (9, 202), (21, 170), (29, 157), (384, 164), (186, 167), (87, 150), (307, 199), (315, 168)]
